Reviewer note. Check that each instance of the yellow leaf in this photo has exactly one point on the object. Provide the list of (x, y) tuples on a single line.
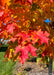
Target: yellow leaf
[(34, 19), (11, 15), (52, 10), (15, 16)]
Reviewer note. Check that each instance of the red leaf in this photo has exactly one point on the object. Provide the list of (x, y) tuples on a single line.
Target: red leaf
[(10, 28), (51, 0), (17, 49), (43, 36), (32, 50), (1, 13), (13, 39), (30, 1)]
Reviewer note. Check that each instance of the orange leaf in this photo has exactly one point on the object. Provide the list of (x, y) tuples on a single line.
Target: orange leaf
[(3, 2)]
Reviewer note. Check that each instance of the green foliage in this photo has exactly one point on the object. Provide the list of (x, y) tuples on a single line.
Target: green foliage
[(4, 45), (53, 66), (7, 67)]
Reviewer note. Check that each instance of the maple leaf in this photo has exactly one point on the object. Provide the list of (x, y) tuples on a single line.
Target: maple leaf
[(3, 2), (10, 28), (34, 37), (30, 1), (24, 52), (23, 1), (32, 50), (1, 13), (13, 39), (44, 40), (46, 34), (6, 20), (51, 0), (42, 37), (24, 55), (17, 49), (23, 35)]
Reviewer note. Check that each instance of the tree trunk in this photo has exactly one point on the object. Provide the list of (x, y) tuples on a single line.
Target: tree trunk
[(50, 65)]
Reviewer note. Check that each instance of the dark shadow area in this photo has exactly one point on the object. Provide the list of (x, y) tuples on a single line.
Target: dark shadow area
[(3, 49), (27, 69), (34, 59)]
